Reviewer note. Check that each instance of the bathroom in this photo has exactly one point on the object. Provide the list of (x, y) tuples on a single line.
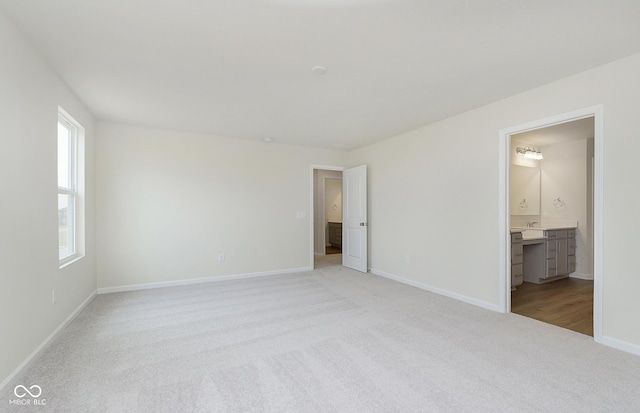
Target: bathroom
[(553, 193)]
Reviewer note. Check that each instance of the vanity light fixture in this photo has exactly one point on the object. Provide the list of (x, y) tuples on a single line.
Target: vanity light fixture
[(530, 153)]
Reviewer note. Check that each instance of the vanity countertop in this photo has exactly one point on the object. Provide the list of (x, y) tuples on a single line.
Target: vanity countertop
[(545, 228)]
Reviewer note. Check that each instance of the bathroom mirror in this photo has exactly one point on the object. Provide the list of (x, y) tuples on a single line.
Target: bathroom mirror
[(524, 190)]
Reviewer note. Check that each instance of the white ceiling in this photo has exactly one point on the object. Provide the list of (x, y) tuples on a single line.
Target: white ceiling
[(242, 68)]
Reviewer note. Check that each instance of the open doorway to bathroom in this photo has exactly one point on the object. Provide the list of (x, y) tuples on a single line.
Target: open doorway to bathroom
[(551, 222), (327, 216)]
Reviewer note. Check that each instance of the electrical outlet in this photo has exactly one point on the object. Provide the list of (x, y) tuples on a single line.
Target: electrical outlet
[(221, 257), (54, 299)]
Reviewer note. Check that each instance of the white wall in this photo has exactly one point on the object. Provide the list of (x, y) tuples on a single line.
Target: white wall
[(564, 176), (171, 201), (433, 193), (29, 97)]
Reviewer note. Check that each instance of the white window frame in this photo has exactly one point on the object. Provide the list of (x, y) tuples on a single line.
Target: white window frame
[(75, 189)]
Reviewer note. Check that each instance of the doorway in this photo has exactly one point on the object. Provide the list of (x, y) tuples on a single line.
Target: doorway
[(326, 215), (553, 192), (354, 233), (555, 203)]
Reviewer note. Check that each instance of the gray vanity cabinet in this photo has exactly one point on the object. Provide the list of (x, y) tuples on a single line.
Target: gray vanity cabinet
[(517, 255), (547, 258), (560, 253), (335, 234)]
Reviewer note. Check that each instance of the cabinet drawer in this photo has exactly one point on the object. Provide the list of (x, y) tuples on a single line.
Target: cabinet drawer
[(516, 249), (550, 270), (516, 270), (517, 259), (516, 253), (571, 233), (551, 248), (561, 234), (516, 237), (551, 234), (517, 281)]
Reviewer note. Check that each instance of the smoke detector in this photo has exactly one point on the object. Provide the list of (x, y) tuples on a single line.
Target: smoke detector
[(318, 70)]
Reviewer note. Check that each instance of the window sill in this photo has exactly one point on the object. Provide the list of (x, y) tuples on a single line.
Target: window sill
[(69, 260)]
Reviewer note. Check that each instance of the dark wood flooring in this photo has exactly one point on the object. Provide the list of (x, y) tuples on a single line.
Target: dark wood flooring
[(333, 250), (565, 303)]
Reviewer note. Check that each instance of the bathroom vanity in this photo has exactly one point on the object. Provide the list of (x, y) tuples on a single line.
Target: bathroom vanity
[(335, 234), (541, 255)]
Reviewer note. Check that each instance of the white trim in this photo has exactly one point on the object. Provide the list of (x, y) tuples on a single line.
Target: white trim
[(581, 276), (621, 345), (191, 281), (598, 222), (33, 357), (504, 243), (77, 189), (439, 291), (313, 167)]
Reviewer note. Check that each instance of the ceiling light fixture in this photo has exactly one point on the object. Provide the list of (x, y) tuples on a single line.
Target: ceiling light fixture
[(318, 70), (530, 153)]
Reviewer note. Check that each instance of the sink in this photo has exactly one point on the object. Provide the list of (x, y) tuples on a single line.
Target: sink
[(531, 233)]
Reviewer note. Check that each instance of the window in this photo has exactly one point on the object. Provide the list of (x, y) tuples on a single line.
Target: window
[(69, 205)]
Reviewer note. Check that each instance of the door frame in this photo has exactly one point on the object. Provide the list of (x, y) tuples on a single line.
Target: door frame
[(312, 211), (504, 239)]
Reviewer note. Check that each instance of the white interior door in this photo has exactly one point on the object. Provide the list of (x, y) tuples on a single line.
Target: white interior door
[(354, 218)]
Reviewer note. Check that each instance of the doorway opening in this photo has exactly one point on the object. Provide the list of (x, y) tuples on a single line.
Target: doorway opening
[(551, 224), (354, 231), (551, 220), (326, 213)]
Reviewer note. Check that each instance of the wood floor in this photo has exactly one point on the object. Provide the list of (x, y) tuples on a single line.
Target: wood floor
[(565, 303), (333, 250)]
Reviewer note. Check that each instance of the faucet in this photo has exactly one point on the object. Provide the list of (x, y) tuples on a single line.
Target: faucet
[(530, 224)]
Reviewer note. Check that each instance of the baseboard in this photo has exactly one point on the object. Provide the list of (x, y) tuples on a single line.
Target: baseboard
[(439, 291), (319, 254), (581, 276), (10, 380), (621, 345), (163, 284)]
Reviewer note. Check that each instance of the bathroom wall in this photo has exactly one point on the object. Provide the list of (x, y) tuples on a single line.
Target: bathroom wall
[(333, 200), (564, 177), (522, 220)]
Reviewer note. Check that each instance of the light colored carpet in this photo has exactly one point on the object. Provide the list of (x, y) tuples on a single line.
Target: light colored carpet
[(331, 340)]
